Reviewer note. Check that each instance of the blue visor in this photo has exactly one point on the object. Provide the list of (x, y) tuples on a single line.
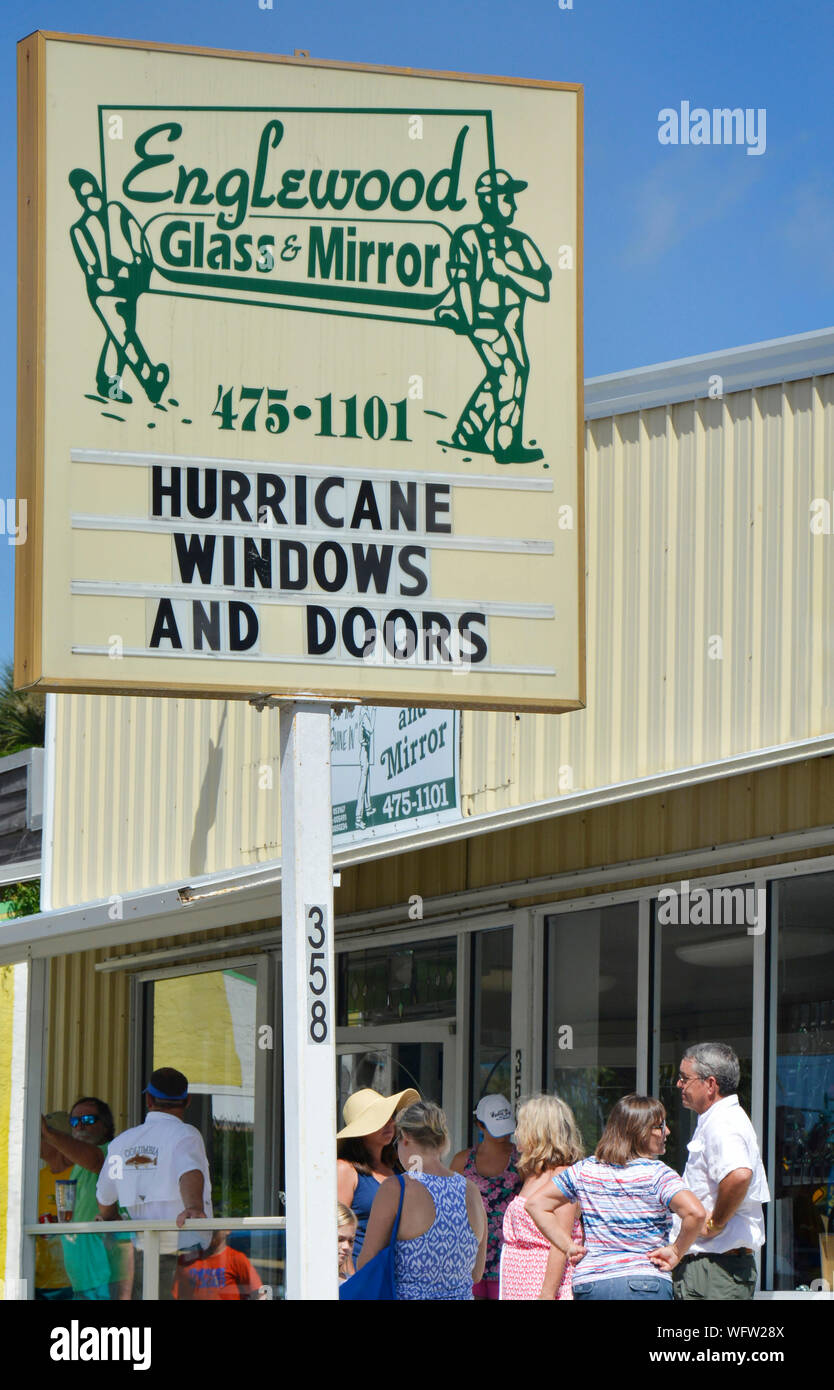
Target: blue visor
[(160, 1095)]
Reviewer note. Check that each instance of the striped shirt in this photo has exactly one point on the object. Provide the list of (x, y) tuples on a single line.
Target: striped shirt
[(625, 1212)]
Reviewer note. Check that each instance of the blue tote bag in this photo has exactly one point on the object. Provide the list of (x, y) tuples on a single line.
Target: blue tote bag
[(375, 1280)]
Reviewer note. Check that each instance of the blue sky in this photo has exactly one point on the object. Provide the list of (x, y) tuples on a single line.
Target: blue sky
[(687, 248)]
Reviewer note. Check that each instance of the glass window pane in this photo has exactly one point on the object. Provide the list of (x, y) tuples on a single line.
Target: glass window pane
[(398, 984), (229, 1265), (391, 1066), (591, 1011), (803, 1124), (80, 1267), (237, 1266), (492, 1007), (204, 1024), (706, 995)]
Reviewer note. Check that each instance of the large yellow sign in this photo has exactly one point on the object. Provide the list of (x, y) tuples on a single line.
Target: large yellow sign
[(300, 379)]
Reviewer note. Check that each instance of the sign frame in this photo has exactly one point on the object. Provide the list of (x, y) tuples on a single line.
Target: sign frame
[(30, 558)]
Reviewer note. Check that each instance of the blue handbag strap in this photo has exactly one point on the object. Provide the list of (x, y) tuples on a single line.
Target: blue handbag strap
[(393, 1239)]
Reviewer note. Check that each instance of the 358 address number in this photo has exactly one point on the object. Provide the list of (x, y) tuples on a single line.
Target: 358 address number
[(317, 993)]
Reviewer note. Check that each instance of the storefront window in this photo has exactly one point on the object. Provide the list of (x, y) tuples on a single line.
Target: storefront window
[(392, 1066), (705, 995), (398, 984), (396, 1011), (592, 1011), (492, 963), (803, 1119), (204, 1024)]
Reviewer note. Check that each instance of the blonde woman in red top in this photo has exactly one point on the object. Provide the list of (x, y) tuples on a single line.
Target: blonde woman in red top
[(548, 1141)]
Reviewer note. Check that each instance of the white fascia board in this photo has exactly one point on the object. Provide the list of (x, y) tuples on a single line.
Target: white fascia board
[(13, 760), (253, 894), (21, 871), (688, 378)]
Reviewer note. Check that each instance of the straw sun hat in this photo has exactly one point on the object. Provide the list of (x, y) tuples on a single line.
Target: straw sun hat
[(367, 1111)]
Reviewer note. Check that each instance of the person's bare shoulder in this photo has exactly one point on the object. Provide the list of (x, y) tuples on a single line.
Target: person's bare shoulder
[(475, 1207), (388, 1196), (458, 1163), (347, 1180)]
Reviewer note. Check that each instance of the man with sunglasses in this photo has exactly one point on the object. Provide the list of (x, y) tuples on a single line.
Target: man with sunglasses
[(99, 1267)]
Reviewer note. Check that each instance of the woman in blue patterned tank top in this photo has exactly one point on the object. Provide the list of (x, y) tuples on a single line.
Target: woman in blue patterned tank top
[(442, 1237)]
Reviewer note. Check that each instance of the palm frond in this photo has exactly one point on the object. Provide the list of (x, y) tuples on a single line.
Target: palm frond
[(22, 716)]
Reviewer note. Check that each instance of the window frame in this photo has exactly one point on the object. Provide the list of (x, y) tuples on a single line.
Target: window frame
[(266, 1157)]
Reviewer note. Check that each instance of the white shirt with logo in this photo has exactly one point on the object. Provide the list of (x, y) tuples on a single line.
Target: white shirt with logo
[(724, 1140), (143, 1167)]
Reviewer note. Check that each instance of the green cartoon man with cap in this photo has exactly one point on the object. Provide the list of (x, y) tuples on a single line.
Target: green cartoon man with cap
[(493, 269), (113, 252)]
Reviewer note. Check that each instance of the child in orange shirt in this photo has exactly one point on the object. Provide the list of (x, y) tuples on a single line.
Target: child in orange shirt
[(222, 1272)]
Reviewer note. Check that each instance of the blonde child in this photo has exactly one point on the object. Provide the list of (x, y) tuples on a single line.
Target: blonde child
[(347, 1224)]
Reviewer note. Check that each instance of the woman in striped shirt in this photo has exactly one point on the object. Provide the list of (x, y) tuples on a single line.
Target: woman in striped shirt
[(627, 1197)]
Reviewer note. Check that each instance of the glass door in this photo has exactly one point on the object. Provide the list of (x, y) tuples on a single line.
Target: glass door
[(801, 1249), (704, 981), (390, 1059), (205, 1024), (591, 1029), (396, 1011)]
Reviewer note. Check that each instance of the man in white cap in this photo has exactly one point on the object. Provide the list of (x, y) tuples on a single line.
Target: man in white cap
[(492, 1167)]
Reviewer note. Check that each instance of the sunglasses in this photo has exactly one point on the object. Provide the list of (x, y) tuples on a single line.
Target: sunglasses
[(76, 1120)]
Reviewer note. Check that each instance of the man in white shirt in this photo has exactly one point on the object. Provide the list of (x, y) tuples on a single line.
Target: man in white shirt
[(725, 1172), (158, 1170)]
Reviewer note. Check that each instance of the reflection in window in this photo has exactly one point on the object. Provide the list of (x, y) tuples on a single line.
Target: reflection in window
[(238, 1266), (391, 1066), (592, 1012), (803, 1122), (398, 984), (492, 1008), (706, 995), (204, 1024)]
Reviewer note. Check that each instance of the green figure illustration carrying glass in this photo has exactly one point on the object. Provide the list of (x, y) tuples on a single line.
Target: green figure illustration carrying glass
[(113, 252), (364, 801), (492, 270)]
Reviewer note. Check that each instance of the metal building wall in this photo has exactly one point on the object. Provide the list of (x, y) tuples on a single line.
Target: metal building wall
[(151, 791), (88, 1046), (710, 600), (710, 604), (89, 1011)]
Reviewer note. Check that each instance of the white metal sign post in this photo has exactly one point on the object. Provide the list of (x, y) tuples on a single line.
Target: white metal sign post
[(309, 1025)]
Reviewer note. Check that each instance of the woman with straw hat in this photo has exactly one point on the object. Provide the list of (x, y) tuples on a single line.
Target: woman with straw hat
[(365, 1151)]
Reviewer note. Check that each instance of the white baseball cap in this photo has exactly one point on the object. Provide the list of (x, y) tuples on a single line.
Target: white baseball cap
[(496, 1115)]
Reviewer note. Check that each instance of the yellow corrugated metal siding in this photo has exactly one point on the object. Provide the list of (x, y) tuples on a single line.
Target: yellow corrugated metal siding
[(87, 1052), (94, 1060), (790, 797), (710, 608), (710, 601), (150, 791)]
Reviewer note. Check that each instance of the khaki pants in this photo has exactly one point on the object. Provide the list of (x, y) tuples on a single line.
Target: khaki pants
[(715, 1277)]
